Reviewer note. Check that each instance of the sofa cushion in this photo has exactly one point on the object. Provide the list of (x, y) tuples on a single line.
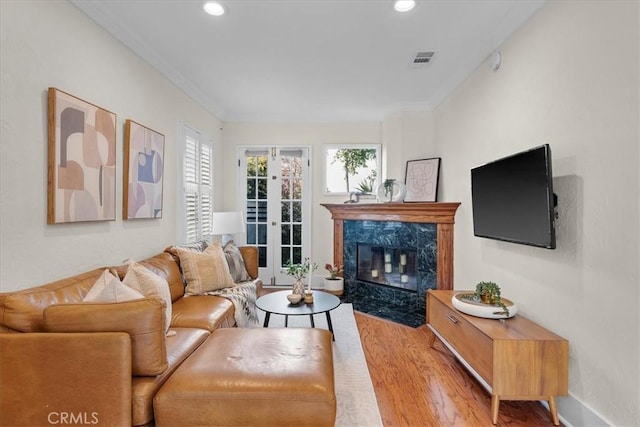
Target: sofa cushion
[(141, 319), (143, 389), (22, 310), (109, 288), (206, 271), (204, 312), (151, 286), (236, 263)]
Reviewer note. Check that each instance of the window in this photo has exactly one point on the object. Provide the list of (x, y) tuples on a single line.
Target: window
[(196, 196), (352, 167)]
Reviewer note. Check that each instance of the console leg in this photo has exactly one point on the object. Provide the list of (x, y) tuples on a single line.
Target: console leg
[(495, 406), (553, 410)]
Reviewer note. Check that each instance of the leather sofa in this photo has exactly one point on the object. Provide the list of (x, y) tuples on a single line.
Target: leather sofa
[(62, 362)]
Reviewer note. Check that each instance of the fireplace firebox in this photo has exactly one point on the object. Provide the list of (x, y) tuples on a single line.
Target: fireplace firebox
[(389, 266)]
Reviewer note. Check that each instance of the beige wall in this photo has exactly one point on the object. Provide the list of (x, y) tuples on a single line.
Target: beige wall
[(51, 43), (570, 78)]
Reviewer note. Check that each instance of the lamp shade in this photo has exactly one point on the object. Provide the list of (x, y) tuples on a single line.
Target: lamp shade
[(228, 223)]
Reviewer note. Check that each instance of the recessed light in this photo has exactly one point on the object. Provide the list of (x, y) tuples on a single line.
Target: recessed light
[(404, 5), (213, 8)]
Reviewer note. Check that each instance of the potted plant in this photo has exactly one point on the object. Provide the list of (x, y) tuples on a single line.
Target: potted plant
[(489, 293), (334, 283), (299, 272)]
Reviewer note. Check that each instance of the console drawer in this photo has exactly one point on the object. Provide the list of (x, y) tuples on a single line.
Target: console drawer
[(474, 346)]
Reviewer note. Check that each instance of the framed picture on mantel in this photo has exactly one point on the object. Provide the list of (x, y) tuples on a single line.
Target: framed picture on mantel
[(421, 180)]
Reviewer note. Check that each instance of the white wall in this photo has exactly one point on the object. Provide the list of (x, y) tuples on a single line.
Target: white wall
[(313, 135), (570, 77), (51, 43)]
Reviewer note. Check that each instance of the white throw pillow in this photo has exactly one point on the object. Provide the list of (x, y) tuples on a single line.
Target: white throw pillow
[(151, 286), (109, 288)]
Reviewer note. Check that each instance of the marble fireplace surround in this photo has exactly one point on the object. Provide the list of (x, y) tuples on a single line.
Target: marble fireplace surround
[(426, 226)]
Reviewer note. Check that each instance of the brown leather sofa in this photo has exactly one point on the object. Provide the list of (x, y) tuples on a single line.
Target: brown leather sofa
[(62, 362)]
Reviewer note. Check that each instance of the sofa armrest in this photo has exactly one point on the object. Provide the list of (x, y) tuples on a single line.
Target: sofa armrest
[(65, 378), (250, 258)]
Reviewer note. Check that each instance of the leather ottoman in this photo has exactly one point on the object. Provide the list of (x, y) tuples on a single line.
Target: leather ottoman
[(253, 377)]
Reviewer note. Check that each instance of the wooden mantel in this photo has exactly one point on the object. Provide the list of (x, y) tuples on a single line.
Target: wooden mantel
[(441, 214)]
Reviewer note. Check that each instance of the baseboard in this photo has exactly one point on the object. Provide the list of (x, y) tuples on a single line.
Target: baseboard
[(574, 413)]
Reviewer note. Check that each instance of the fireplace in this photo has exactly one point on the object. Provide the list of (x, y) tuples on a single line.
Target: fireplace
[(367, 237), (388, 266)]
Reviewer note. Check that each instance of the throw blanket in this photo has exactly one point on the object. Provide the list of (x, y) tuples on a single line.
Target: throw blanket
[(243, 297)]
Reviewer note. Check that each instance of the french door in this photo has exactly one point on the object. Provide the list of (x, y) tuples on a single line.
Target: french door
[(275, 195)]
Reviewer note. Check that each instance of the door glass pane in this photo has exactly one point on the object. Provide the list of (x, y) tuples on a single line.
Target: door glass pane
[(262, 188), (285, 238), (297, 235), (297, 255), (262, 234), (286, 214), (251, 188), (296, 208)]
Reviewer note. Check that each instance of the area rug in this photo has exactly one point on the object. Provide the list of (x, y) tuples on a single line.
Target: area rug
[(357, 405)]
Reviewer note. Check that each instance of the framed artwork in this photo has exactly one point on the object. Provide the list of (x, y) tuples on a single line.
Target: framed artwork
[(81, 182), (421, 180), (143, 172)]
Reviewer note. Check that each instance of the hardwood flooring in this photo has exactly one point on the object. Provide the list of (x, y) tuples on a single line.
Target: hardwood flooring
[(416, 385)]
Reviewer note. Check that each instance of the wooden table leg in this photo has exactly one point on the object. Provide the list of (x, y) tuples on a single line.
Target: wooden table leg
[(553, 410), (495, 406)]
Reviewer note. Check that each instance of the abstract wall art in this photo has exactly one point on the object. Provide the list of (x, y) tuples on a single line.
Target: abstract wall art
[(81, 160), (421, 180), (143, 172)]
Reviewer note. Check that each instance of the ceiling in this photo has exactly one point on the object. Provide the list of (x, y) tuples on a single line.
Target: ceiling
[(312, 60)]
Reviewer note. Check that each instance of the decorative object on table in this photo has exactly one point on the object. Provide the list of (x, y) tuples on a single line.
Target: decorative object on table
[(421, 180), (294, 298), (143, 172), (299, 272), (485, 302), (81, 160), (334, 283), (226, 224), (391, 191), (308, 297)]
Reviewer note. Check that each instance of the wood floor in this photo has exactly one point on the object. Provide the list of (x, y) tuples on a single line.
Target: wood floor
[(420, 386)]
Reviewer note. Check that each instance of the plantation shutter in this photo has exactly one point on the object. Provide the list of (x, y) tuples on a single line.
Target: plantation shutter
[(197, 173)]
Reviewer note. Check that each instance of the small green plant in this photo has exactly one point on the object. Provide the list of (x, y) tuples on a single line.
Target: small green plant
[(489, 293), (388, 187), (334, 270), (300, 271), (367, 185)]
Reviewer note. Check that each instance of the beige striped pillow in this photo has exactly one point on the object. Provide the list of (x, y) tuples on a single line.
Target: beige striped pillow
[(205, 271)]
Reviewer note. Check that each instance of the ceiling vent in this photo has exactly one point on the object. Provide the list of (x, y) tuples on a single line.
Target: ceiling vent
[(422, 58)]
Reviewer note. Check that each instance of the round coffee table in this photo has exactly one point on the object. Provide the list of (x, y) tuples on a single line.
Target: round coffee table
[(277, 303)]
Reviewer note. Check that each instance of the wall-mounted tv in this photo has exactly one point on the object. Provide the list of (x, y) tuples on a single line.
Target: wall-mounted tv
[(513, 199)]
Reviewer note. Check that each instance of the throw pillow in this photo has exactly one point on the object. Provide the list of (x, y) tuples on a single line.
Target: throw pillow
[(206, 271), (151, 286), (109, 288), (236, 263), (142, 319)]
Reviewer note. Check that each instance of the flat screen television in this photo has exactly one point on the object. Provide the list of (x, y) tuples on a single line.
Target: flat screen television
[(513, 200)]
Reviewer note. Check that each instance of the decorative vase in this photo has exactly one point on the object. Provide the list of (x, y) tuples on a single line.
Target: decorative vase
[(396, 195), (298, 288)]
